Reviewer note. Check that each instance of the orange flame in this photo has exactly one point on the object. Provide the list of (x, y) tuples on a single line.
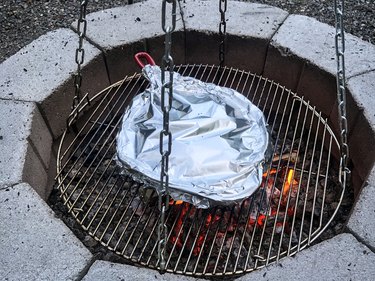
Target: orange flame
[(289, 182)]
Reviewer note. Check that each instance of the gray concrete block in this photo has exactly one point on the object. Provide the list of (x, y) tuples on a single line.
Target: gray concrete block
[(34, 173), (340, 258), (283, 67), (318, 87), (34, 244), (362, 89), (361, 146), (42, 66), (124, 31), (353, 110), (243, 19), (359, 101), (361, 120), (26, 146), (51, 174), (107, 271), (249, 27), (314, 42), (302, 56), (121, 62), (155, 47), (42, 72), (15, 128), (241, 52), (121, 26), (361, 222), (356, 182), (41, 138)]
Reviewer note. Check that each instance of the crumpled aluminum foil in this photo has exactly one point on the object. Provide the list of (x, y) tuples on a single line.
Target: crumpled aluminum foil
[(219, 141)]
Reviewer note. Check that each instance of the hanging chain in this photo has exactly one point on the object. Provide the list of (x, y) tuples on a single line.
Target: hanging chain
[(341, 95), (166, 104), (222, 31), (80, 53)]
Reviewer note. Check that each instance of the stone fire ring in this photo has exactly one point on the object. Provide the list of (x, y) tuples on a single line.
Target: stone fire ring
[(35, 98)]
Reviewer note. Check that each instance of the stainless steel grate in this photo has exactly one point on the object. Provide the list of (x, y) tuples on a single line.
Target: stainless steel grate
[(287, 213)]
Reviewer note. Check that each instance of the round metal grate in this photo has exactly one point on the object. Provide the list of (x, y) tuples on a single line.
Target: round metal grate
[(289, 211)]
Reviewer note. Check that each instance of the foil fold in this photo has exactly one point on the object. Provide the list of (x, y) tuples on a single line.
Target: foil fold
[(219, 141)]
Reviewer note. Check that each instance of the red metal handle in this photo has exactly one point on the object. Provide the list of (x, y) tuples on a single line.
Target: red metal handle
[(143, 56)]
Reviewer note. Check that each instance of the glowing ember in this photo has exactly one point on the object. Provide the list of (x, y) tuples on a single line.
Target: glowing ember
[(272, 206), (290, 181), (271, 172)]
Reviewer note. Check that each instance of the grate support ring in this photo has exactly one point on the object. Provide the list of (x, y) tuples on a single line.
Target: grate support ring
[(289, 211)]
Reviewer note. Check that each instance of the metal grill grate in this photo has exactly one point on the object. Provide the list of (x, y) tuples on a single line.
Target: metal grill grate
[(287, 213)]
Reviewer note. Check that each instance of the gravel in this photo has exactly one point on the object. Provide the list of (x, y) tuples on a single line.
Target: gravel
[(22, 21)]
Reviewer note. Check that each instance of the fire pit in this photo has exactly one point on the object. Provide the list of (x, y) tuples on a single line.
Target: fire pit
[(298, 198), (293, 50)]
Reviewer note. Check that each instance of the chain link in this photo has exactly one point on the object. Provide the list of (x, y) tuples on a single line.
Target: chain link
[(222, 31), (167, 65), (341, 95), (80, 53)]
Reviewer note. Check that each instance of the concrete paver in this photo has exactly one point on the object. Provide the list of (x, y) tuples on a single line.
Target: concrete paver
[(107, 271), (314, 41), (340, 258), (250, 27), (361, 221), (242, 19), (362, 130), (15, 126), (34, 244), (25, 144), (361, 145), (360, 100), (42, 72), (42, 66), (35, 173), (120, 26), (302, 56), (124, 31), (362, 89)]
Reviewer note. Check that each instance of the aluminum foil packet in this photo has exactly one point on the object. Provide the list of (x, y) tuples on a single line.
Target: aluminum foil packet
[(219, 141)]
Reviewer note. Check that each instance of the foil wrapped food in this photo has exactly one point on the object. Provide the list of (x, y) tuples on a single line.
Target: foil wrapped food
[(219, 140)]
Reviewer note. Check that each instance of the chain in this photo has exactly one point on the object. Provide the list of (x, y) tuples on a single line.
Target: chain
[(341, 95), (222, 31), (80, 53), (165, 134)]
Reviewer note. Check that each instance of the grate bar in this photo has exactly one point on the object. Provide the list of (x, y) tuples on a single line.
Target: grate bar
[(273, 186), (81, 131), (317, 179), (91, 139), (284, 179), (300, 182)]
